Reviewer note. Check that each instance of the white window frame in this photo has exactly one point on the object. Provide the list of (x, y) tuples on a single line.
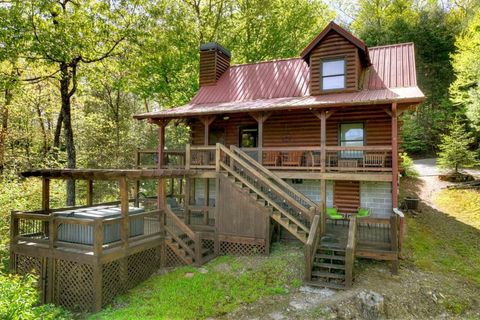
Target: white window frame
[(325, 77)]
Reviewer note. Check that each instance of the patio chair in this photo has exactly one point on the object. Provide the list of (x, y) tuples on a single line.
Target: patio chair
[(333, 214), (271, 158), (293, 158), (362, 212), (374, 160)]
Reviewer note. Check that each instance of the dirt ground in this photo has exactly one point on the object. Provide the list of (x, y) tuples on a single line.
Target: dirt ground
[(412, 294)]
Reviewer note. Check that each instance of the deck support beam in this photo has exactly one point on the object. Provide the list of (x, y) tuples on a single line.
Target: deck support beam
[(394, 156)]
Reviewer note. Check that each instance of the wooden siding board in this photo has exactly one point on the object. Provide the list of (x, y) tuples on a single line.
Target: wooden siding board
[(334, 45)]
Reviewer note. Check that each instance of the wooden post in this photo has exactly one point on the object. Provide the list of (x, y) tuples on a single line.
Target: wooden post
[(97, 267), (323, 157), (13, 234), (261, 118), (394, 156), (198, 249), (394, 240), (124, 225), (186, 201), (161, 143), (188, 156), (161, 202), (45, 195), (89, 192), (206, 200)]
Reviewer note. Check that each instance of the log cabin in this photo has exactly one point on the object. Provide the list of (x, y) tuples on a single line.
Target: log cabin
[(302, 149)]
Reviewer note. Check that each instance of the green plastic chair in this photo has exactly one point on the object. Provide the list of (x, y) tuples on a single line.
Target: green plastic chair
[(362, 212), (333, 214)]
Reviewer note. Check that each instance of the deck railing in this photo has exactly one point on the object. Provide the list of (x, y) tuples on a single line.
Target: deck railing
[(88, 234), (306, 158)]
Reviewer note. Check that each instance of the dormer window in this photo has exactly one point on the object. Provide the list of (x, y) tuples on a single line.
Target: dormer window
[(333, 74)]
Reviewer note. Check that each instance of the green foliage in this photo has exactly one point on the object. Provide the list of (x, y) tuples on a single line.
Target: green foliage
[(187, 293), (455, 150), (407, 164), (465, 90), (19, 300), (432, 29)]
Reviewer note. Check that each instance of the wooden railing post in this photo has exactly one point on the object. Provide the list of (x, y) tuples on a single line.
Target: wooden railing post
[(89, 192), (13, 235), (198, 249), (188, 156), (350, 251), (217, 157), (97, 270), (394, 241)]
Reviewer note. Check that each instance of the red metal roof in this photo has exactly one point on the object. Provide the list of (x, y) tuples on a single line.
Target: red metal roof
[(284, 84)]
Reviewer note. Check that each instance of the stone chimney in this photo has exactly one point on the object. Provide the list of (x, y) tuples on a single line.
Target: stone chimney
[(214, 61)]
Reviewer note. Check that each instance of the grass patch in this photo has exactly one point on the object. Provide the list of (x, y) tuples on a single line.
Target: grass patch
[(189, 293), (448, 240), (464, 205)]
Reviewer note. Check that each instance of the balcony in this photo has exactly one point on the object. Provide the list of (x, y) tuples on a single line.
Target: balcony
[(369, 162)]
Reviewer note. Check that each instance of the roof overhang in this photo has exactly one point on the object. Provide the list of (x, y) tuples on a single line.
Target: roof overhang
[(408, 95)]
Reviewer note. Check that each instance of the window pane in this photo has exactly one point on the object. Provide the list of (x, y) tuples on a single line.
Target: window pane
[(351, 132), (330, 83), (333, 67)]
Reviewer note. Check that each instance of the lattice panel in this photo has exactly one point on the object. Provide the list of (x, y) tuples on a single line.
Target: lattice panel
[(73, 285), (208, 244), (172, 259), (28, 264), (141, 266), (241, 249), (111, 282)]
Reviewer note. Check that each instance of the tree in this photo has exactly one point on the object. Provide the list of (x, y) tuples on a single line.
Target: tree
[(455, 150), (465, 90), (65, 34)]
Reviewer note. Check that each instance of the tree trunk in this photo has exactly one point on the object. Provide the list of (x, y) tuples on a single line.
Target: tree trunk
[(4, 128), (44, 130), (56, 138), (68, 131)]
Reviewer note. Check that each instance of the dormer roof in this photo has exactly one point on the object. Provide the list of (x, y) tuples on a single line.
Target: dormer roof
[(333, 27)]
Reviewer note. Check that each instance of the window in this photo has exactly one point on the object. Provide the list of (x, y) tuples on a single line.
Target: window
[(248, 137), (351, 135), (333, 74)]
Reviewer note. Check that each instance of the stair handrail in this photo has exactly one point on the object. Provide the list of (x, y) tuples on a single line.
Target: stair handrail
[(309, 213), (179, 223), (311, 246), (275, 178), (350, 251)]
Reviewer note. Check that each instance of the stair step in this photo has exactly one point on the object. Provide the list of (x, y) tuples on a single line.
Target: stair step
[(332, 246), (325, 284), (328, 275), (329, 257), (329, 265)]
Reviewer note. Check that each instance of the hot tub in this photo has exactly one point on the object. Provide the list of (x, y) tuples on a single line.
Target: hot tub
[(83, 234)]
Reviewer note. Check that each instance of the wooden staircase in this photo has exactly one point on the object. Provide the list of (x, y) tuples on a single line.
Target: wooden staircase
[(184, 242), (328, 268), (287, 206)]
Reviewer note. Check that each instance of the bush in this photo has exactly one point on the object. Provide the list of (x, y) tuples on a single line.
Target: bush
[(407, 164), (19, 300)]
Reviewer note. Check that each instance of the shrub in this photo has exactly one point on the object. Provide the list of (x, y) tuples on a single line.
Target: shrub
[(19, 300), (407, 164)]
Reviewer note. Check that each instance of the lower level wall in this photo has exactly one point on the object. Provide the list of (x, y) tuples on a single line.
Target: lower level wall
[(376, 196)]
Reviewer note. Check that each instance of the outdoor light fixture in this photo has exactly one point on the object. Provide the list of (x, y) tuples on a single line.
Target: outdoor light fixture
[(226, 118)]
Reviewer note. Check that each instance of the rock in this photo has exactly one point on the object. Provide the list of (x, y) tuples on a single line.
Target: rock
[(277, 315), (371, 305), (321, 291), (202, 270), (189, 275)]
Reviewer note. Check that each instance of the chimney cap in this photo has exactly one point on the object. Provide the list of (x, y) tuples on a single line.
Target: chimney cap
[(214, 46)]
